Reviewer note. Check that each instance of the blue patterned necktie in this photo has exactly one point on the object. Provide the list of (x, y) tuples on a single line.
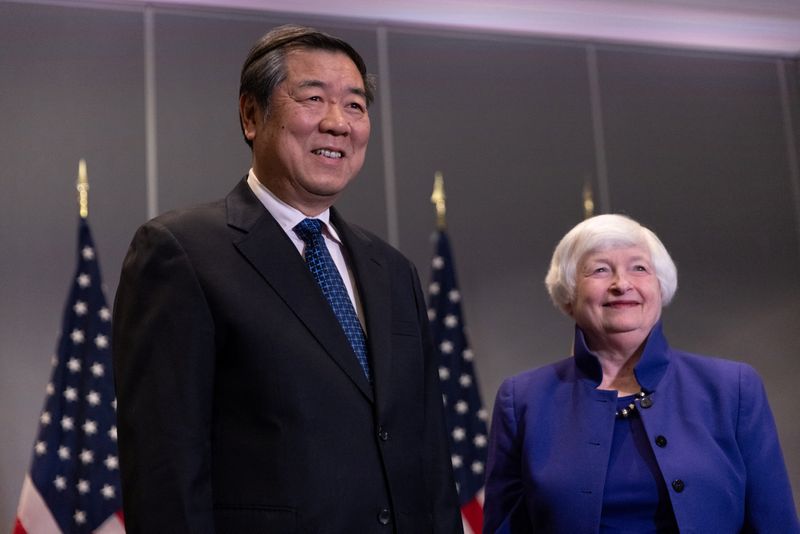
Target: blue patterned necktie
[(321, 265)]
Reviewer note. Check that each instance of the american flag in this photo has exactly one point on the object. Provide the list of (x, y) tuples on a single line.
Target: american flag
[(464, 411), (73, 484)]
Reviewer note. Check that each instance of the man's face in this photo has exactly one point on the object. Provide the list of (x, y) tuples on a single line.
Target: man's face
[(313, 139)]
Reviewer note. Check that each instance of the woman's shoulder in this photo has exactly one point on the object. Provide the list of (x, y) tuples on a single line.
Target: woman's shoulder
[(714, 371), (540, 377)]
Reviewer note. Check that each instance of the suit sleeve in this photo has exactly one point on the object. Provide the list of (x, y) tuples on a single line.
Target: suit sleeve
[(769, 506), (504, 505), (446, 512), (163, 347)]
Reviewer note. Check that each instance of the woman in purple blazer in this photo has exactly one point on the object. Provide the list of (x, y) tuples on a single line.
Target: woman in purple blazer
[(629, 435)]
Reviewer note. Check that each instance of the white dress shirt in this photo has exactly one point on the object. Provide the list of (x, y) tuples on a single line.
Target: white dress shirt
[(289, 217)]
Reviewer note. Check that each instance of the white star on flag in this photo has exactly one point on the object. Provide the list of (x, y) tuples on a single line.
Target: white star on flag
[(112, 433), (45, 418), (462, 407), (49, 389), (60, 483), (483, 414), (111, 462), (458, 433), (97, 369), (40, 448), (480, 440), (104, 314), (101, 341), (77, 336), (83, 487), (446, 347), (108, 491), (80, 308), (444, 373), (433, 289), (456, 461), (454, 295), (477, 467), (70, 394), (87, 456), (468, 355), (87, 253), (80, 517), (93, 398), (89, 427), (465, 380), (67, 423), (437, 262), (74, 365), (63, 452), (451, 321), (84, 280)]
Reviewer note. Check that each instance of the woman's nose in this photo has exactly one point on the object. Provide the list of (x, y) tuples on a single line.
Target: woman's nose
[(620, 283)]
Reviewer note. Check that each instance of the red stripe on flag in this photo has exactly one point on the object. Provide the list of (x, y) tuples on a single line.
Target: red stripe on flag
[(18, 528), (473, 513)]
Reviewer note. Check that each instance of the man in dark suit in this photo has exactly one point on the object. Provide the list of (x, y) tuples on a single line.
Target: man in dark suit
[(258, 392)]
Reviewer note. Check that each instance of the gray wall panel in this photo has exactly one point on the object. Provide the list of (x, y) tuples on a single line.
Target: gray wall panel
[(70, 87), (509, 124)]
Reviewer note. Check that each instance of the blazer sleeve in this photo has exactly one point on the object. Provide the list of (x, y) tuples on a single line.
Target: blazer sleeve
[(163, 349), (446, 512), (769, 506), (504, 504)]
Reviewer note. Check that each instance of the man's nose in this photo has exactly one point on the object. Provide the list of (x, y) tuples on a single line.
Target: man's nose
[(334, 121)]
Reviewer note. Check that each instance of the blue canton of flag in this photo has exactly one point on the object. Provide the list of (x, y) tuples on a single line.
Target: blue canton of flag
[(73, 485), (464, 411)]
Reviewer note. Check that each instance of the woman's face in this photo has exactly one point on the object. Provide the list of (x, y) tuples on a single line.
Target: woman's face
[(617, 292)]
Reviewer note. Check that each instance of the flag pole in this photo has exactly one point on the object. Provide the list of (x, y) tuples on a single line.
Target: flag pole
[(83, 189), (438, 200)]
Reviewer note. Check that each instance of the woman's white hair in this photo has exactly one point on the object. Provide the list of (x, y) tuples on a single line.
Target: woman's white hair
[(604, 232)]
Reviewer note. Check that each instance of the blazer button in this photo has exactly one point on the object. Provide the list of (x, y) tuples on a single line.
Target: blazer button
[(678, 485), (646, 402), (383, 435), (661, 441), (384, 516)]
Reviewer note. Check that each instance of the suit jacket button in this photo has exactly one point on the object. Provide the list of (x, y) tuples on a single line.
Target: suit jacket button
[(384, 516), (646, 402), (678, 485), (383, 435), (661, 441)]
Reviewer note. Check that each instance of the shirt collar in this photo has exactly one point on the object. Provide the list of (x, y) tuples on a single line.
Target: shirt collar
[(287, 216)]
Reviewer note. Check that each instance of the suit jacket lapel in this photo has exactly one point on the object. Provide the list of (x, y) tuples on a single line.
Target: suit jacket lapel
[(369, 267), (265, 245)]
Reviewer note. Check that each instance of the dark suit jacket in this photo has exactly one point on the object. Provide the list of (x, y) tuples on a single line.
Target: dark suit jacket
[(242, 407)]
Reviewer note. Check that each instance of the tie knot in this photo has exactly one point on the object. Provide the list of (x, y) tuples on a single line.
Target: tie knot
[(309, 229)]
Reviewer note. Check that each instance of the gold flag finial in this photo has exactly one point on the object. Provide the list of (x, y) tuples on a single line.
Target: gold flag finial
[(83, 189), (588, 200), (437, 198)]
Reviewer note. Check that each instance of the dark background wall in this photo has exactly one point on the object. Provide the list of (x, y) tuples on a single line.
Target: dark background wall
[(699, 146)]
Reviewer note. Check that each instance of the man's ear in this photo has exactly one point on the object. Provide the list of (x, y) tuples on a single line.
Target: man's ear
[(249, 114)]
